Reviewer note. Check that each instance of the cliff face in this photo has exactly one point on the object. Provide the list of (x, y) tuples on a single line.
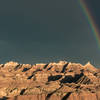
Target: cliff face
[(52, 81)]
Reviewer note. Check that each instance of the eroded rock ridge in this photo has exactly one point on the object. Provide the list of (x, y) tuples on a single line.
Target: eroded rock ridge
[(52, 81)]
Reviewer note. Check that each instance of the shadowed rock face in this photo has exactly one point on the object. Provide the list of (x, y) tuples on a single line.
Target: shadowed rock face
[(52, 81)]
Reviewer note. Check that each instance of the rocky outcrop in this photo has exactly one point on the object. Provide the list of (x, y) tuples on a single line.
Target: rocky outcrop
[(52, 81)]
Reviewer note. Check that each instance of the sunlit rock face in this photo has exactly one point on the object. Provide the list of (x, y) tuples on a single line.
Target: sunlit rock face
[(52, 81)]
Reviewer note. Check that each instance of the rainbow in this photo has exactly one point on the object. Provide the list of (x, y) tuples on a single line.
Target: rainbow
[(91, 21)]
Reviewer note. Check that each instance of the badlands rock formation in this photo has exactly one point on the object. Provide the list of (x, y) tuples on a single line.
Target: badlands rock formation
[(52, 81)]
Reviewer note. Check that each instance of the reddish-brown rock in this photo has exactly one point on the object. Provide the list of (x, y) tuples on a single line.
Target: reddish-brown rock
[(52, 81)]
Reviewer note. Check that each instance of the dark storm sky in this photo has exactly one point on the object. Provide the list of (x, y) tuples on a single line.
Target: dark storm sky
[(34, 31)]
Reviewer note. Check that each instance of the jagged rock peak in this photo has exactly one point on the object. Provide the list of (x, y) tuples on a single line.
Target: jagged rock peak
[(88, 63), (11, 63), (90, 67), (58, 63), (51, 81), (62, 62), (41, 64)]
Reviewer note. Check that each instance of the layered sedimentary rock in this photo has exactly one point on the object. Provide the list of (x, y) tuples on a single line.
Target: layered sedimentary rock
[(52, 81)]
